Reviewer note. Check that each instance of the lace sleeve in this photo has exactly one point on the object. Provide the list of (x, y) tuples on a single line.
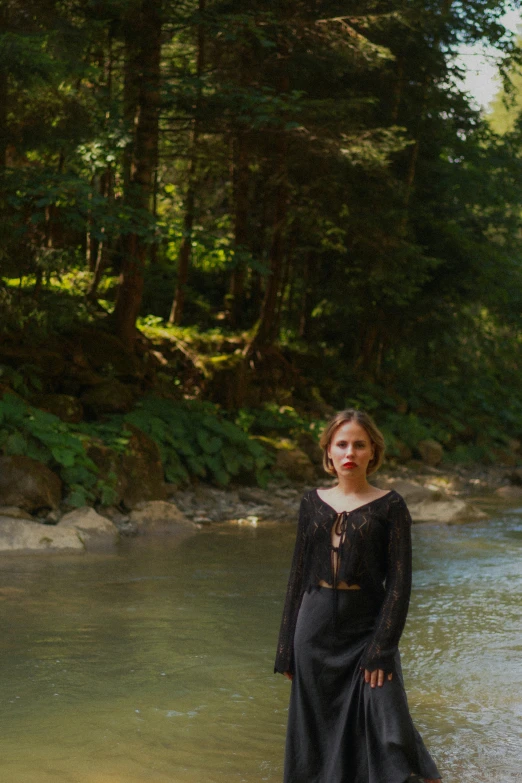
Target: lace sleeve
[(285, 648), (392, 616)]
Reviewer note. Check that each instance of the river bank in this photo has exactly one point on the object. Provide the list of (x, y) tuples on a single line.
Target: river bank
[(446, 495), (435, 495)]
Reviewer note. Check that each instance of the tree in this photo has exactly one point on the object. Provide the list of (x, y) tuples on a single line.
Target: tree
[(145, 51)]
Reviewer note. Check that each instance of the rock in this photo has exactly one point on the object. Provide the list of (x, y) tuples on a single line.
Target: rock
[(504, 457), (413, 492), (28, 484), (18, 535), (431, 451), (108, 463), (217, 505), (114, 514), (107, 354), (50, 363), (514, 444), (93, 530), (158, 517), (447, 512), (312, 449), (515, 477), (15, 513), (49, 517), (75, 379), (510, 492), (141, 470), (295, 464), (65, 406), (111, 396), (138, 470), (401, 452), (120, 520), (254, 495)]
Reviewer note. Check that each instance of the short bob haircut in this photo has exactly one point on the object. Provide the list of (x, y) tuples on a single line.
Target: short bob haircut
[(365, 421)]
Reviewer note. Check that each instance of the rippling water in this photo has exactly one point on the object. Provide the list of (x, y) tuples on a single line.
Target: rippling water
[(155, 664)]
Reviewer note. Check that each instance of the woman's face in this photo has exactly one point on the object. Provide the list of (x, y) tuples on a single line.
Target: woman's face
[(350, 449)]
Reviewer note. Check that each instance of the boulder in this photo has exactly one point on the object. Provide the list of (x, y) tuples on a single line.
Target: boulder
[(28, 484), (19, 535), (75, 379), (295, 464), (65, 406), (510, 492), (111, 396), (106, 354), (447, 512), (141, 469), (138, 469), (93, 530), (15, 513), (158, 517), (515, 477), (108, 462), (503, 456), (431, 451), (413, 492), (50, 363), (401, 451), (311, 448)]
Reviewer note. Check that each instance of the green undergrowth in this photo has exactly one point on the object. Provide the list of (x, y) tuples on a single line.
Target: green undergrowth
[(194, 440), (274, 420), (30, 432)]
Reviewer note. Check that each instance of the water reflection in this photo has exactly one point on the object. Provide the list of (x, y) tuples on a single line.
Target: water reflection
[(155, 664)]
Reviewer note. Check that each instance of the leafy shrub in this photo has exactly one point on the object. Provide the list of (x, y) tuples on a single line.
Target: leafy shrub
[(273, 418), (195, 440), (411, 428), (30, 432)]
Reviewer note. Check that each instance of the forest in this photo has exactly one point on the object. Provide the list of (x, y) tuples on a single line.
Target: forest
[(221, 220)]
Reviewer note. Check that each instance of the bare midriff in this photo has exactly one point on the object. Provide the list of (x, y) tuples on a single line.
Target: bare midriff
[(340, 585)]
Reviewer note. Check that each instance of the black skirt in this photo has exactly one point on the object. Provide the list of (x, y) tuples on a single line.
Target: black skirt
[(340, 730)]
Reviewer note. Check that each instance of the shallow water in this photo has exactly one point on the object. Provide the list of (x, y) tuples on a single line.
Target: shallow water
[(155, 664)]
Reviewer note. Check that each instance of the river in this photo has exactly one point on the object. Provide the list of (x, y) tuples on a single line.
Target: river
[(154, 664)]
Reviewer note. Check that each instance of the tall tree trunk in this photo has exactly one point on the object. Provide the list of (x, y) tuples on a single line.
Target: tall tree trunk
[(3, 95), (132, 78), (411, 171), (306, 303), (185, 251), (99, 256), (268, 326), (148, 55), (240, 179)]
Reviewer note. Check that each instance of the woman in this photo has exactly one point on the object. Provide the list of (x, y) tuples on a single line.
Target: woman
[(345, 610)]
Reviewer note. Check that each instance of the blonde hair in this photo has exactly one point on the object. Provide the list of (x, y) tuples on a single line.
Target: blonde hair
[(366, 422)]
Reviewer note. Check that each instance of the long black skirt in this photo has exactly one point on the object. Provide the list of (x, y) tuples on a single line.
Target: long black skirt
[(340, 730)]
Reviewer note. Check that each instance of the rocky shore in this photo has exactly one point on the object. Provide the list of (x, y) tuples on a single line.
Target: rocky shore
[(435, 495)]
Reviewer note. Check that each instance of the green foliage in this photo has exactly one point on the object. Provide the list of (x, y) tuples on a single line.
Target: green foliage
[(277, 420), (195, 440), (27, 431)]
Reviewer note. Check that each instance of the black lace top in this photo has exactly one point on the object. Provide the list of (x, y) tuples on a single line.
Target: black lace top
[(374, 552)]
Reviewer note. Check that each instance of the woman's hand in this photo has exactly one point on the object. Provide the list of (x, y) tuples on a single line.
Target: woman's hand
[(376, 677), (289, 676)]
